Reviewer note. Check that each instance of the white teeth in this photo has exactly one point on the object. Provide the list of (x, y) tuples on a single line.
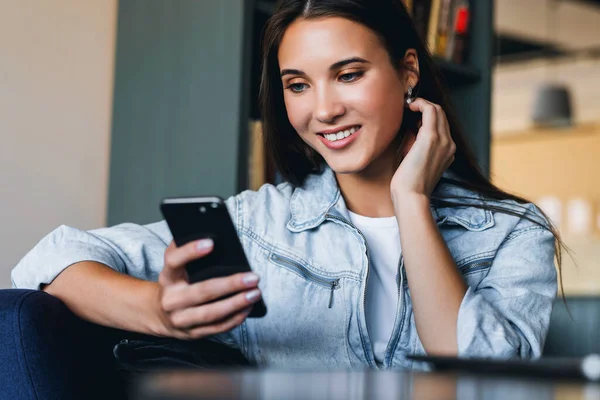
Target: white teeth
[(332, 137)]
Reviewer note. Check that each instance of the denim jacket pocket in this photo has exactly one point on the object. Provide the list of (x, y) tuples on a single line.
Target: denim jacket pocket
[(330, 283), (474, 270)]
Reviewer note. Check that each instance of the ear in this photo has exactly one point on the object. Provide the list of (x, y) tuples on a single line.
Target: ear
[(411, 67)]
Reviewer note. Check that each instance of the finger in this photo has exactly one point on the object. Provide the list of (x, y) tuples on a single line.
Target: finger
[(442, 124), (170, 276), (447, 123), (428, 112), (214, 312), (180, 297), (223, 326), (452, 149), (177, 257)]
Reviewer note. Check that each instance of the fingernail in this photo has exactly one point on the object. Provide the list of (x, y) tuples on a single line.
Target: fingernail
[(204, 244), (253, 295), (250, 279)]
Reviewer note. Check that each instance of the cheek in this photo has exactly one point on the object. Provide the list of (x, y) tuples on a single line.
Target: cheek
[(392, 108), (382, 103), (298, 112)]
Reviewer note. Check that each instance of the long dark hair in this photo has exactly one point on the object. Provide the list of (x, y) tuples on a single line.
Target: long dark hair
[(390, 20)]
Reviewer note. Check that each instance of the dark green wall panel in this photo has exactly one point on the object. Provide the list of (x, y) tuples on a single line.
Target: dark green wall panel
[(473, 100), (178, 109)]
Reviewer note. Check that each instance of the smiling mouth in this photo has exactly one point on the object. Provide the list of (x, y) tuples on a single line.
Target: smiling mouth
[(332, 137)]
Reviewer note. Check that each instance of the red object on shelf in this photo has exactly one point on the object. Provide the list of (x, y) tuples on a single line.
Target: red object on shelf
[(462, 20)]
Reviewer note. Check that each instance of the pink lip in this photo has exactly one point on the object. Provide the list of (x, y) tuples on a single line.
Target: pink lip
[(340, 144)]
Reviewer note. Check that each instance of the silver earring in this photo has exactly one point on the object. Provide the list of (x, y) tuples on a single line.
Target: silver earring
[(409, 98)]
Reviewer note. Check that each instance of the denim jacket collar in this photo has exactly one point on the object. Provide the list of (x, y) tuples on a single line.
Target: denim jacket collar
[(311, 202), (320, 197)]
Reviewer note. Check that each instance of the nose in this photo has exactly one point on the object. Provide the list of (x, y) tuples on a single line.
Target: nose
[(328, 107)]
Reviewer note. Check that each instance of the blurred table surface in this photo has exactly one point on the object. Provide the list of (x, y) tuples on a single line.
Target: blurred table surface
[(352, 385)]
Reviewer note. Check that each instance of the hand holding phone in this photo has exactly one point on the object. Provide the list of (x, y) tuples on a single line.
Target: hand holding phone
[(206, 286), (189, 310)]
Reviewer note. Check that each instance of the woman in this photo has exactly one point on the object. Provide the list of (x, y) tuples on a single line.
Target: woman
[(385, 241)]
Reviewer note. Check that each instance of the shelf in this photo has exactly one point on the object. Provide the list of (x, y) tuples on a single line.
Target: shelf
[(457, 74), (572, 133)]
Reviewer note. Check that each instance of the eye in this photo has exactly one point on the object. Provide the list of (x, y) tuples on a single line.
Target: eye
[(297, 87), (350, 77)]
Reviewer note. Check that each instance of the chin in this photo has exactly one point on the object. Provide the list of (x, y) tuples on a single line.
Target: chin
[(347, 165)]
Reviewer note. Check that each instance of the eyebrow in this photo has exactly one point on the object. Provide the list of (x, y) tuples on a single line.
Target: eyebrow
[(333, 66)]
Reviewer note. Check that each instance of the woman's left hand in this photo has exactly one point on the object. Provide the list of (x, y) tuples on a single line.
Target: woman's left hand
[(429, 156)]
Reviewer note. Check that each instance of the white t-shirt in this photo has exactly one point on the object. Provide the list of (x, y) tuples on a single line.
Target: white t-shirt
[(383, 239)]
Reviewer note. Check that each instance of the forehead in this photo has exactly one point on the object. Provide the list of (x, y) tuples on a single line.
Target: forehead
[(326, 40)]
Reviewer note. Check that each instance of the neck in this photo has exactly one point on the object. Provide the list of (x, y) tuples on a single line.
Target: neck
[(367, 192)]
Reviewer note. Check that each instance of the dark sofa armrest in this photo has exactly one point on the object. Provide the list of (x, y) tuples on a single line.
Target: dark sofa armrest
[(47, 352)]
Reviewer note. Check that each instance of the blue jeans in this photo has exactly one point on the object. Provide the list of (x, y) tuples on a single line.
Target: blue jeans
[(141, 354)]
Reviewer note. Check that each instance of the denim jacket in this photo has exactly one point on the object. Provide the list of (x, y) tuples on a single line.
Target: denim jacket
[(314, 267)]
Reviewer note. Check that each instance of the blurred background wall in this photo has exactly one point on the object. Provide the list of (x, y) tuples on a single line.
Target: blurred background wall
[(56, 83), (555, 42)]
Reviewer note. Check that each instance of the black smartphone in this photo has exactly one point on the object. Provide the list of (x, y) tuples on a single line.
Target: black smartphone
[(193, 218)]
